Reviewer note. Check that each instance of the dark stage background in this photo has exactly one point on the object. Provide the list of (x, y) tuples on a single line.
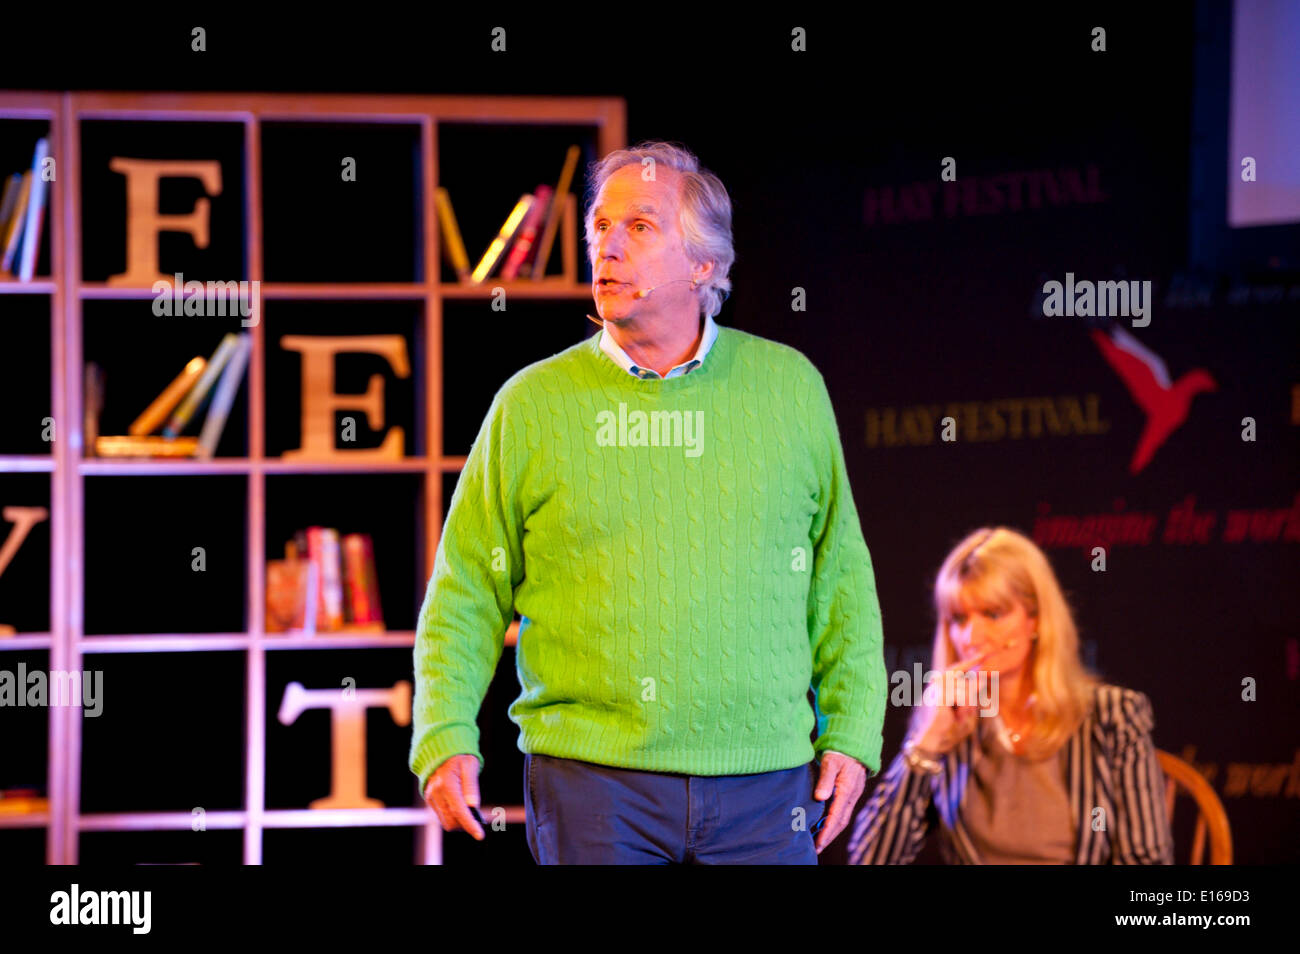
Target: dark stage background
[(921, 295)]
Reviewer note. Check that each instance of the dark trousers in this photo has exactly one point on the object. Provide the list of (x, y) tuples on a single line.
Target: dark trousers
[(580, 813)]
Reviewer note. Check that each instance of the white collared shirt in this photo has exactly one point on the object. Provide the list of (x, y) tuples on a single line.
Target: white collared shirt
[(620, 357)]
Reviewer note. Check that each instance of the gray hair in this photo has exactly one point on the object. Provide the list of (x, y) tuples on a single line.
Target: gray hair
[(704, 217)]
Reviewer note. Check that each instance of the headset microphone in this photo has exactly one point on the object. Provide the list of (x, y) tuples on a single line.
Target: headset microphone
[(643, 292)]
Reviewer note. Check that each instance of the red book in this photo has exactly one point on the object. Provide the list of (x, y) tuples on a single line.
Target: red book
[(323, 550), (527, 233), (361, 587)]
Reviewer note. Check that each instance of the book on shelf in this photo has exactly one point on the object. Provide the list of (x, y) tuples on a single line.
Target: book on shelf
[(202, 388), (218, 378), (149, 445), (523, 243), (23, 801), (323, 551), (560, 197), (219, 410), (526, 234), (22, 216), (24, 806), (291, 586), (325, 584), (92, 405), (508, 228), (453, 246), (14, 229), (360, 585), (156, 413), (8, 201), (31, 242)]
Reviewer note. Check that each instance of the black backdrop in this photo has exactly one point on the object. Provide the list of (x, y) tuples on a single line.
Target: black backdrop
[(909, 307)]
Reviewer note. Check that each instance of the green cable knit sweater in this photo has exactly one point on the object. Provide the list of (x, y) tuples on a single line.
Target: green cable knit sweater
[(686, 559)]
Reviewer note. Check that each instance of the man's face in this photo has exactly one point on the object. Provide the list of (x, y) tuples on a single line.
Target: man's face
[(635, 243)]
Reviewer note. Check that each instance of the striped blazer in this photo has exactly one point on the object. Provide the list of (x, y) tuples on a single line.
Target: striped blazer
[(1112, 766)]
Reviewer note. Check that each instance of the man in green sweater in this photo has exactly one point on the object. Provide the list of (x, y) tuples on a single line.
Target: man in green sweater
[(666, 506)]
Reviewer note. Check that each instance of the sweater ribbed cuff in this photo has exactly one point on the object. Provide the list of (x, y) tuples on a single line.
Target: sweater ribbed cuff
[(853, 737), (438, 745)]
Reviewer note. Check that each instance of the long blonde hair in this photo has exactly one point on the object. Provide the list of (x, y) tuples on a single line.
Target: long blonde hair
[(994, 566)]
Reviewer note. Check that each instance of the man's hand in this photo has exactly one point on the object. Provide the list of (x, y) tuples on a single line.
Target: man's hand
[(846, 777), (452, 789)]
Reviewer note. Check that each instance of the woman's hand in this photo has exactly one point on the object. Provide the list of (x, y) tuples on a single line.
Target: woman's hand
[(942, 726)]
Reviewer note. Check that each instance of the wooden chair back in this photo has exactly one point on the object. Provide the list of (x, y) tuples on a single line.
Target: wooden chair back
[(1211, 819)]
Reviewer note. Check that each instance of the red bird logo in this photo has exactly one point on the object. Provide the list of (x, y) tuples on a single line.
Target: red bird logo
[(1147, 379)]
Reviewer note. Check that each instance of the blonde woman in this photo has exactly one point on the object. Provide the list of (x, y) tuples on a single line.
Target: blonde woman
[(1053, 767)]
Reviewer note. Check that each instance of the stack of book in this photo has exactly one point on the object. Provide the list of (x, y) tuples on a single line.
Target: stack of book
[(325, 584), (22, 801), (22, 214), (216, 379), (523, 244)]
